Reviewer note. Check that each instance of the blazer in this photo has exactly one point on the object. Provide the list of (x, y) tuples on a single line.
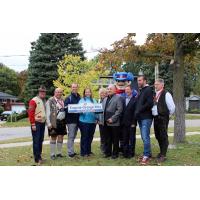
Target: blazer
[(114, 110), (128, 116)]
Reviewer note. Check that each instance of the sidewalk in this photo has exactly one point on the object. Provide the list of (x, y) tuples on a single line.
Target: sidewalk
[(21, 144)]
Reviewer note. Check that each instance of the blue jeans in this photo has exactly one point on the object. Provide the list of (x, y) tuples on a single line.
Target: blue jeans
[(38, 138), (87, 134), (145, 126)]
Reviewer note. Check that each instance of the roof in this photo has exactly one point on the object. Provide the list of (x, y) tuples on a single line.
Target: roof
[(194, 98), (6, 96)]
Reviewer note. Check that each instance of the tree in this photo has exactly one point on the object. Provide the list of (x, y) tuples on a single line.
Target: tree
[(164, 48), (74, 70), (124, 50), (45, 54), (185, 43), (8, 80), (21, 80)]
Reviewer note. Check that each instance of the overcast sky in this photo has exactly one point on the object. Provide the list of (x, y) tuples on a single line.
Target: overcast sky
[(12, 44)]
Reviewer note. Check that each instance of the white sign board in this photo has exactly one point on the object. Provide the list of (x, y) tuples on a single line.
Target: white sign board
[(85, 107)]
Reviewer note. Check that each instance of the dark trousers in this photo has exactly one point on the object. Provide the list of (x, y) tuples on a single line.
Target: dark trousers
[(112, 134), (129, 140), (102, 138), (87, 134), (38, 138), (161, 128), (121, 140)]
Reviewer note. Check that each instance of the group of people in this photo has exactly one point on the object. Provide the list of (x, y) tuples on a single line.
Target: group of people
[(117, 123)]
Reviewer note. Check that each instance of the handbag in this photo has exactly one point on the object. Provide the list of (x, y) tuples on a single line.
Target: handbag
[(61, 114)]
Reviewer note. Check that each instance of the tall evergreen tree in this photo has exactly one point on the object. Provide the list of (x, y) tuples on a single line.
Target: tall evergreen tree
[(45, 54)]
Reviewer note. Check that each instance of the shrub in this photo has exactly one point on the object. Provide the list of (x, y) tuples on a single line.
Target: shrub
[(17, 117), (194, 111), (1, 109)]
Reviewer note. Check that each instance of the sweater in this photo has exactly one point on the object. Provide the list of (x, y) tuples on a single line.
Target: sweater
[(88, 117), (36, 111), (72, 118), (144, 104)]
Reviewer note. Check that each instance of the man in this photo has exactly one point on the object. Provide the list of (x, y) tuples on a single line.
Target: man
[(72, 119), (37, 119), (102, 95), (113, 108), (144, 116), (129, 124), (56, 123), (163, 108)]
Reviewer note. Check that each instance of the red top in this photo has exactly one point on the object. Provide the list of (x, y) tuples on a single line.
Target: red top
[(118, 91), (31, 111)]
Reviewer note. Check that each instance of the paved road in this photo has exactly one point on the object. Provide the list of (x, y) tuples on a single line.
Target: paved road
[(20, 132), (15, 132)]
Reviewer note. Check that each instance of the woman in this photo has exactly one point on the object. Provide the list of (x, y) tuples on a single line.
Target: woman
[(102, 95), (56, 122), (87, 123)]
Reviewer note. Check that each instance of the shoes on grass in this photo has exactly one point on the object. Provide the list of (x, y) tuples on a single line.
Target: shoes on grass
[(161, 159), (59, 155), (145, 160), (115, 156), (53, 157), (72, 155)]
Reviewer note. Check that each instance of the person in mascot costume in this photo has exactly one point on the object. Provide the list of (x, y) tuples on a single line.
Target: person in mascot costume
[(123, 79)]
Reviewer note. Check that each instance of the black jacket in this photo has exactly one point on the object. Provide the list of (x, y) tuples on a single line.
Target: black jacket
[(144, 104), (128, 116), (72, 118)]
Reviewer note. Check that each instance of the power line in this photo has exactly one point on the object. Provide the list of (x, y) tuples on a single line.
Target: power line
[(23, 55), (13, 55), (24, 65)]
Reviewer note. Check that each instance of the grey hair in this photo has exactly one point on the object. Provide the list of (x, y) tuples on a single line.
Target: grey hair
[(160, 80), (102, 90), (58, 89), (111, 86)]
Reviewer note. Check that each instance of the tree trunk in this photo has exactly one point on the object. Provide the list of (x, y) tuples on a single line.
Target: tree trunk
[(178, 92)]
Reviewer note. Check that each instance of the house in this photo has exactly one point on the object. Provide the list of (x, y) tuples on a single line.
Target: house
[(10, 103), (193, 102)]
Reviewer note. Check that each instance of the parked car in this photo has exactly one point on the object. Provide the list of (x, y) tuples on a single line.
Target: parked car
[(4, 115)]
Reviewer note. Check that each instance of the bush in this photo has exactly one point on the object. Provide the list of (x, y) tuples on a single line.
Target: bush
[(1, 109), (17, 117)]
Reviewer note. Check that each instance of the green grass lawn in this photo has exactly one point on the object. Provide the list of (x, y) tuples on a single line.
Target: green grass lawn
[(185, 154), (20, 123), (190, 116)]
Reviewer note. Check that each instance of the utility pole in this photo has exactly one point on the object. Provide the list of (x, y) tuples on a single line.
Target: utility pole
[(156, 70), (140, 73)]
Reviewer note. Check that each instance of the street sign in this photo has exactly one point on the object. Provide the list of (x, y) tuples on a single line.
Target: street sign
[(85, 107)]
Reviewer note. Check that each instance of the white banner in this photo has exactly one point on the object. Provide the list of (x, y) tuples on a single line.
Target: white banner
[(85, 107)]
